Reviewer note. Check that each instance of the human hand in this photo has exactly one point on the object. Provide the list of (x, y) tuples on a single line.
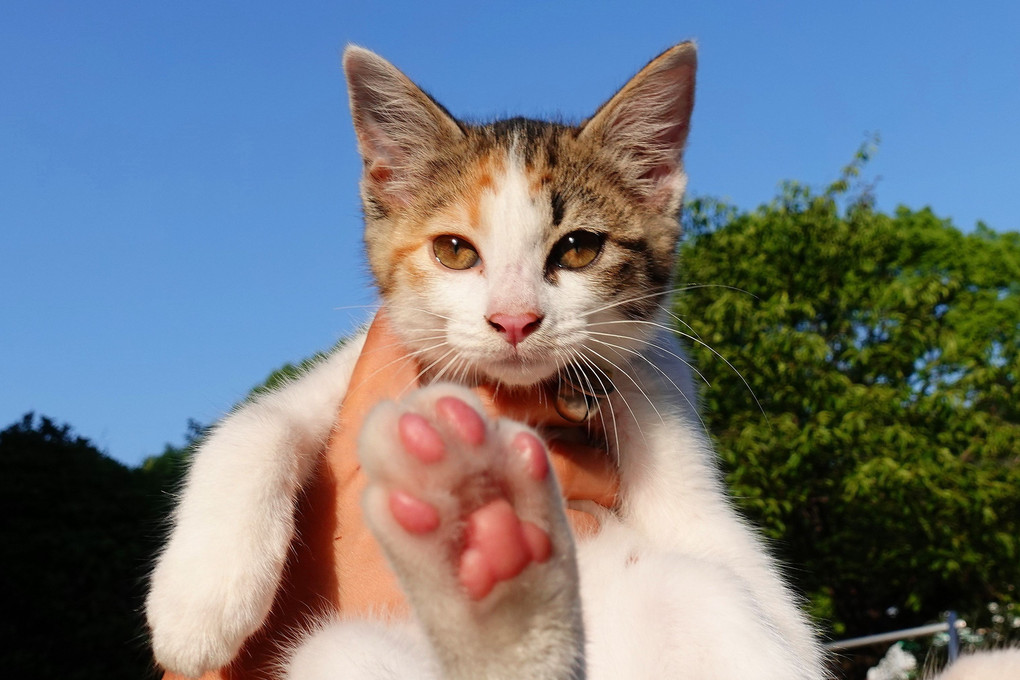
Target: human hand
[(364, 582), (336, 564)]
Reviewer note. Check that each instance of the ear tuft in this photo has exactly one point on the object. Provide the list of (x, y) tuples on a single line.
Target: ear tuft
[(399, 127), (644, 126)]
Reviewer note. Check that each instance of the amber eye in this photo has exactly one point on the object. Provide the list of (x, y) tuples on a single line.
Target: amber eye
[(454, 252), (577, 249)]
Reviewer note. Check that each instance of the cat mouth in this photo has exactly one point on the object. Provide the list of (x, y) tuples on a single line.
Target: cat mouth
[(520, 369)]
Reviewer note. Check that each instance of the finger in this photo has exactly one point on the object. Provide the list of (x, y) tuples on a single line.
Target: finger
[(583, 523), (384, 369), (585, 473)]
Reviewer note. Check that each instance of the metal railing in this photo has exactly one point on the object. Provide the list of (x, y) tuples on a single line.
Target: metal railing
[(950, 625)]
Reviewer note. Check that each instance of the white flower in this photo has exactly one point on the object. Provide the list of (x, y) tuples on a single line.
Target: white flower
[(895, 665)]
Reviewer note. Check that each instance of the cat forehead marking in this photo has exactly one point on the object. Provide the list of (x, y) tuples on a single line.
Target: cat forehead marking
[(479, 180), (511, 207)]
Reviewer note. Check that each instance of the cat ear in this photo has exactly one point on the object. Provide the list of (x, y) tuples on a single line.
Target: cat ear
[(644, 126), (399, 127)]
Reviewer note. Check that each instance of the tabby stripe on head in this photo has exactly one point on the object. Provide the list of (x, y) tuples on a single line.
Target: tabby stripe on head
[(557, 208)]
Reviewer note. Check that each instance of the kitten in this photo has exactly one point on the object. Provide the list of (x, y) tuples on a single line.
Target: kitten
[(510, 253)]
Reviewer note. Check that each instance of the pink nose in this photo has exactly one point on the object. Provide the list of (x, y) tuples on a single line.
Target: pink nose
[(515, 327)]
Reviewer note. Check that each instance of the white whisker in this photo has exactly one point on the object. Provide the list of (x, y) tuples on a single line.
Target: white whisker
[(346, 308), (694, 408), (676, 317), (624, 301), (696, 286), (697, 341), (435, 314), (650, 345), (636, 385), (608, 400), (449, 364), (431, 366), (662, 292), (409, 356)]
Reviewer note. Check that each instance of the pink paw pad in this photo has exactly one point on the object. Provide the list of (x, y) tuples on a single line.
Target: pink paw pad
[(531, 450), (465, 422), (420, 439), (499, 547), (414, 515)]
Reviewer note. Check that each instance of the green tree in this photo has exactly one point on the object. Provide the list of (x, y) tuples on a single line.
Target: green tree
[(877, 435), (166, 471)]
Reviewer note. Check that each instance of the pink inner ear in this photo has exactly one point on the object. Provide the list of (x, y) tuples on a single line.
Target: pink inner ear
[(380, 173), (669, 143), (384, 159), (378, 150), (647, 122)]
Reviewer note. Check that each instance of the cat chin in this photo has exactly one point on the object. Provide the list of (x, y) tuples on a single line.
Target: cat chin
[(518, 374), (501, 371)]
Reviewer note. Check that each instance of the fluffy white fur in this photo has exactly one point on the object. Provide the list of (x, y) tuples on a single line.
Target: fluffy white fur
[(997, 664), (216, 578), (676, 586)]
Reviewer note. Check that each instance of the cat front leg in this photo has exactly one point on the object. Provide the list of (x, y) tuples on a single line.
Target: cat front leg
[(471, 517), (215, 580)]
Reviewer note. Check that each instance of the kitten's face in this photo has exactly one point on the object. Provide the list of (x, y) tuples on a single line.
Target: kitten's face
[(508, 251)]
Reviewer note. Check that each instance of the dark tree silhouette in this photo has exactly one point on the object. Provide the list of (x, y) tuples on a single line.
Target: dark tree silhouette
[(78, 533)]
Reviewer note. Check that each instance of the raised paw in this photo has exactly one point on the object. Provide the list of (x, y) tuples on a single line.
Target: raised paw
[(497, 544), (473, 496), (468, 511)]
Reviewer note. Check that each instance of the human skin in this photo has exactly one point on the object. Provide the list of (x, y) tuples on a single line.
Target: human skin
[(337, 565)]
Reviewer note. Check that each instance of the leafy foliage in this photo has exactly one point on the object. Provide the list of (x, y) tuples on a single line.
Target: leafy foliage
[(884, 455), (168, 468), (289, 372)]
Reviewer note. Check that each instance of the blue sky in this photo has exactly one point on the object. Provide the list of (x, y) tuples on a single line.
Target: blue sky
[(178, 205)]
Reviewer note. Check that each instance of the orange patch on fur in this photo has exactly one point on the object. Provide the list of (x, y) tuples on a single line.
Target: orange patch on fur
[(413, 273), (478, 180), (402, 252), (537, 181), (472, 200)]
